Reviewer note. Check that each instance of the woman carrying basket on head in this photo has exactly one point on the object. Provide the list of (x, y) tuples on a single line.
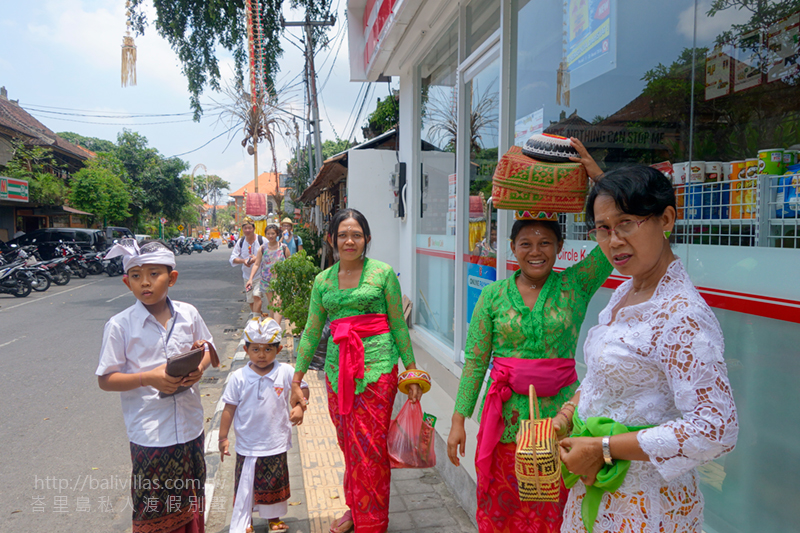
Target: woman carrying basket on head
[(527, 327), (362, 299)]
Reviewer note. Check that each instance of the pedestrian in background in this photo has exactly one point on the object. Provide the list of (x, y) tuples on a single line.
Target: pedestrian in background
[(257, 404), (363, 300), (268, 254), (165, 431), (294, 242), (244, 253), (656, 401)]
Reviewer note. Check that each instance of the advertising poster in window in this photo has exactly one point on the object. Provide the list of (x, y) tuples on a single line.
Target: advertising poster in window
[(528, 125), (451, 205), (782, 40), (718, 72), (590, 39), (748, 58)]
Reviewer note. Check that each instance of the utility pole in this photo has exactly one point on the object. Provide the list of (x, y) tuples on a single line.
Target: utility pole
[(309, 25)]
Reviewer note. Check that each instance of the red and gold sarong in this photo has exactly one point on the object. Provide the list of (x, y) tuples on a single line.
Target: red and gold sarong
[(362, 437), (499, 508)]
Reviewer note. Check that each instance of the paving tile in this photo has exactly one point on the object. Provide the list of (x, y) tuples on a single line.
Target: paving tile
[(412, 486), (432, 518), (401, 522), (427, 500)]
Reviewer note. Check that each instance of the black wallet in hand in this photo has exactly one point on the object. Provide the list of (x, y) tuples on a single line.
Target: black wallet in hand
[(181, 365)]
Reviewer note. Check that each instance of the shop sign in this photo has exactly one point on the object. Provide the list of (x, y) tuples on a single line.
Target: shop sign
[(378, 15), (528, 125), (784, 49), (591, 35), (478, 277), (618, 136), (748, 58), (13, 189), (718, 72)]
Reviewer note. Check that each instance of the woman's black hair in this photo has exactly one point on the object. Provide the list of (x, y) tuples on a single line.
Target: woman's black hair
[(273, 227), (552, 225), (340, 216), (636, 190)]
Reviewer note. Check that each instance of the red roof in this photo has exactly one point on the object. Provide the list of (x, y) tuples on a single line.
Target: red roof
[(16, 120), (267, 184)]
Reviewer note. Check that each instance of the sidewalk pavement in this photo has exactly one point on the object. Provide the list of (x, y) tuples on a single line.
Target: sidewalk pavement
[(420, 499)]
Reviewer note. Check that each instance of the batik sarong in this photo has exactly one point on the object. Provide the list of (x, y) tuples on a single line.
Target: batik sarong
[(362, 438), (500, 509), (168, 488), (262, 484)]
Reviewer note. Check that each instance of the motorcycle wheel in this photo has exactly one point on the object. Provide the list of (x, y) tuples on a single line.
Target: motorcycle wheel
[(81, 272), (41, 283), (112, 269), (95, 268), (23, 289), (61, 276)]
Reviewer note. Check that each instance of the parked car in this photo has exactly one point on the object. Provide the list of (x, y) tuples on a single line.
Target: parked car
[(46, 239)]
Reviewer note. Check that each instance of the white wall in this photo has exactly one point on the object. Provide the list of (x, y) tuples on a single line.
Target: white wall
[(369, 191)]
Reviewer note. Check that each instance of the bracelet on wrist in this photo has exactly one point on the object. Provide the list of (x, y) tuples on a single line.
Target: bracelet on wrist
[(607, 450), (222, 439)]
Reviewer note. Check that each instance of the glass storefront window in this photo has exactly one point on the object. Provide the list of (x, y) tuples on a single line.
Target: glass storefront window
[(706, 91), (436, 227), (479, 231), (482, 19)]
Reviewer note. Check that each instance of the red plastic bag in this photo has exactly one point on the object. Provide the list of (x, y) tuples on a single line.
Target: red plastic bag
[(410, 439)]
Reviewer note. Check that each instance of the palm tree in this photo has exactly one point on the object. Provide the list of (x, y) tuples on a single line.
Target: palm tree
[(443, 116)]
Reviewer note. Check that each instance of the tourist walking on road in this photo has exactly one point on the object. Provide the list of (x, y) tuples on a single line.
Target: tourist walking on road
[(268, 254), (363, 300), (656, 401), (294, 242), (244, 253)]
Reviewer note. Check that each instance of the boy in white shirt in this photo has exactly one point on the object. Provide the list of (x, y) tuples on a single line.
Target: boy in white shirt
[(257, 402), (165, 433)]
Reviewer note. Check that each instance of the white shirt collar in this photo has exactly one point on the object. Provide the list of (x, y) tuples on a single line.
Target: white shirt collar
[(140, 313), (252, 376)]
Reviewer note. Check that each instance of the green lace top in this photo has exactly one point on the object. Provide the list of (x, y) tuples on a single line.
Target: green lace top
[(378, 291), (503, 326)]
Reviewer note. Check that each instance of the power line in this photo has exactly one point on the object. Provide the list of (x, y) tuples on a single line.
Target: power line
[(355, 103), (118, 123), (360, 110), (209, 142), (116, 114)]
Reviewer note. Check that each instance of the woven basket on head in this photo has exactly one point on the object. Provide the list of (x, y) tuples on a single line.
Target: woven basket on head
[(537, 462), (520, 182)]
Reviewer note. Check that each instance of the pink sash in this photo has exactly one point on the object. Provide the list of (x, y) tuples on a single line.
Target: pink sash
[(511, 374), (347, 333)]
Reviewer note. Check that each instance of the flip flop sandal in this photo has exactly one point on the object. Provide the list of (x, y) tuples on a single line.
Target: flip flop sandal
[(281, 525), (346, 517)]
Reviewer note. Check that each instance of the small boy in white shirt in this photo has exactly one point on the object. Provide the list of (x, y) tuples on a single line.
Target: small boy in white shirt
[(257, 402), (165, 433)]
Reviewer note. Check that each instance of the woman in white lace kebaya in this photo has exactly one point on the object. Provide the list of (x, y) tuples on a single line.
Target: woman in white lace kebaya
[(656, 401)]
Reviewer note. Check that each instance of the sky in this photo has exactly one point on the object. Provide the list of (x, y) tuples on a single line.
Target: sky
[(63, 56)]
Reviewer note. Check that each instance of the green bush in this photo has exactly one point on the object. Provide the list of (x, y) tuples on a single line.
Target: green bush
[(312, 242), (291, 282)]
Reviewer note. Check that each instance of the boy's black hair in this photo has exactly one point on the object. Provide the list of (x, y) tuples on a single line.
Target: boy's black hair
[(340, 216), (552, 225), (636, 190), (248, 343)]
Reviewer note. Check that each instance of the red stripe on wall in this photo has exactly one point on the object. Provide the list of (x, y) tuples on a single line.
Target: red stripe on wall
[(437, 253), (740, 302)]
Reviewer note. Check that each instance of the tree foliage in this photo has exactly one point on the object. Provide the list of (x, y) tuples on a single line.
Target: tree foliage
[(98, 189), (297, 168), (90, 143), (198, 30), (38, 166), (209, 188), (385, 117)]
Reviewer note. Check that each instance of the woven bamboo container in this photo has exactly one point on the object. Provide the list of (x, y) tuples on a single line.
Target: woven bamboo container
[(520, 182), (537, 461)]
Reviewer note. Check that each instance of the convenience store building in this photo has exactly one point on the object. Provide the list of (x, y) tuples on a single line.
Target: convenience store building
[(637, 82)]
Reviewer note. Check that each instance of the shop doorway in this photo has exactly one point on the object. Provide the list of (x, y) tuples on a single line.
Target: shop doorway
[(481, 125)]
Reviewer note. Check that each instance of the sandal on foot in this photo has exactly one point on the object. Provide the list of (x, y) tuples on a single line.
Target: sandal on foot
[(278, 525), (346, 517)]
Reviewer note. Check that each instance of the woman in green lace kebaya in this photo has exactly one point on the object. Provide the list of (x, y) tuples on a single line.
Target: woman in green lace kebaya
[(362, 298), (526, 327)]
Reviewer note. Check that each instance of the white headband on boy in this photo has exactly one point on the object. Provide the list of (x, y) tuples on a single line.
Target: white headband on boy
[(132, 256), (262, 331)]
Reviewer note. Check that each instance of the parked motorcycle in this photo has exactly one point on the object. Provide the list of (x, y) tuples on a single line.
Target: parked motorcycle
[(74, 259), (210, 245), (14, 282)]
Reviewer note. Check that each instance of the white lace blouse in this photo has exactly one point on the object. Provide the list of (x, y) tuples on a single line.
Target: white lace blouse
[(658, 364)]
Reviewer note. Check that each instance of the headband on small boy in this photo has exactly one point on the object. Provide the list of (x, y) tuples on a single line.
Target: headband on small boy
[(262, 331), (152, 253)]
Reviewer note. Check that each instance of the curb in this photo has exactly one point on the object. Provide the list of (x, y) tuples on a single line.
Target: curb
[(211, 446)]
